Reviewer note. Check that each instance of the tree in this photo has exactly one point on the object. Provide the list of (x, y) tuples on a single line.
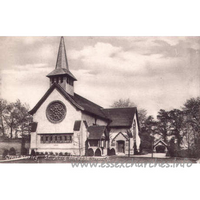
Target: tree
[(3, 105), (171, 124), (123, 103), (191, 111), (16, 118), (147, 133), (11, 118), (176, 125), (162, 125), (24, 118)]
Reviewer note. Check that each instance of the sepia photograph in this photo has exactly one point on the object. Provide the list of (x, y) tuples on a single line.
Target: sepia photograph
[(100, 100)]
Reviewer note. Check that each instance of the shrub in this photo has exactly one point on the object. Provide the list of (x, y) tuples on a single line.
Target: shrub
[(182, 153), (5, 153), (12, 151), (60, 154), (51, 153)]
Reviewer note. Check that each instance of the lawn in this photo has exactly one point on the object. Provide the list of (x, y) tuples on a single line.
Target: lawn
[(111, 159)]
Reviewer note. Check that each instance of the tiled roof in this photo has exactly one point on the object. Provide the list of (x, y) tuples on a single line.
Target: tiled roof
[(96, 132), (89, 106), (121, 117)]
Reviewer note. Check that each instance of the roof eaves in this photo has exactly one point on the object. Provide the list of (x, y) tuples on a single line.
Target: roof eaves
[(58, 72), (121, 134), (49, 91), (96, 115)]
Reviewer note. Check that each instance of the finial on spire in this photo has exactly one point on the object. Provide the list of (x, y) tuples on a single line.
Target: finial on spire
[(62, 57)]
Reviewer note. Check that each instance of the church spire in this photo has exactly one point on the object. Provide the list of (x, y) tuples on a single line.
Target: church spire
[(61, 73), (62, 57)]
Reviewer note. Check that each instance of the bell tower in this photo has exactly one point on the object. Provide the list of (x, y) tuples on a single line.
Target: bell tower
[(61, 74)]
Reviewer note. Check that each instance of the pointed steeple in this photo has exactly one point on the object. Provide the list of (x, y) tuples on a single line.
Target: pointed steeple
[(62, 57), (61, 73), (62, 64)]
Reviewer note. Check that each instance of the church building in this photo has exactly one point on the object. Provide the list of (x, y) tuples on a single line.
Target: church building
[(69, 124)]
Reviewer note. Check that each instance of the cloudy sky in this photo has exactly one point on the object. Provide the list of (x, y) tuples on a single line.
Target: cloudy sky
[(153, 72)]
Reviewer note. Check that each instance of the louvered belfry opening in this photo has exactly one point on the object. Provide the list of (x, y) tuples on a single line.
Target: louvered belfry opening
[(61, 74)]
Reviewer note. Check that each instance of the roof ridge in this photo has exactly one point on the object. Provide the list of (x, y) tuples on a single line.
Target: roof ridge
[(88, 100), (119, 108)]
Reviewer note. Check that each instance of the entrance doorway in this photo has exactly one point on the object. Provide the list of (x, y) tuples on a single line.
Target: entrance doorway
[(121, 146), (160, 149)]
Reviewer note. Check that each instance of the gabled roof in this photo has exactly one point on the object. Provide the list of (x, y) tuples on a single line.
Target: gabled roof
[(160, 141), (96, 132), (121, 117), (122, 135), (77, 101), (49, 91)]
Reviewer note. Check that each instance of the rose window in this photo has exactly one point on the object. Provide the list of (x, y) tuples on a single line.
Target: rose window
[(56, 112)]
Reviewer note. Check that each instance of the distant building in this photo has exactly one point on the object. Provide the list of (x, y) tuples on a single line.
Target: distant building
[(160, 146), (65, 122)]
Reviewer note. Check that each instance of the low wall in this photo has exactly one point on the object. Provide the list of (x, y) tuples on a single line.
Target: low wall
[(15, 143)]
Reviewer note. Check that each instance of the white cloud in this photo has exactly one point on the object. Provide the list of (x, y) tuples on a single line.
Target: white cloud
[(27, 67), (25, 82), (31, 40), (104, 57)]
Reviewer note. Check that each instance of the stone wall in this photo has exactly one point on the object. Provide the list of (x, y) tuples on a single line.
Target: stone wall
[(15, 143)]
